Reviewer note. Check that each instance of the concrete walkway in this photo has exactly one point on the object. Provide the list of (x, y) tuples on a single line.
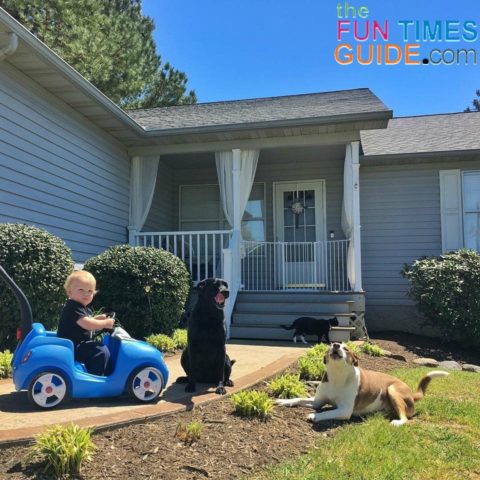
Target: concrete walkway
[(20, 421)]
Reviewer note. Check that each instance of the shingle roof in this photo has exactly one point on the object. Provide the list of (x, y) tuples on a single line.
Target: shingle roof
[(261, 110), (431, 133)]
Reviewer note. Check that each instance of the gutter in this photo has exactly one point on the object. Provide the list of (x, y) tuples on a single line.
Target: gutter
[(290, 123), (11, 47), (367, 159)]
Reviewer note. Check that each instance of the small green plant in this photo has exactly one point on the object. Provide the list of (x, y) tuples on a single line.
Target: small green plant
[(353, 347), (373, 350), (253, 403), (5, 364), (180, 337), (164, 343), (312, 367), (319, 350), (190, 432), (63, 449), (287, 386)]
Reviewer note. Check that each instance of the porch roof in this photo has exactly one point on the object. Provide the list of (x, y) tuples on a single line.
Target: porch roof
[(427, 134), (288, 111)]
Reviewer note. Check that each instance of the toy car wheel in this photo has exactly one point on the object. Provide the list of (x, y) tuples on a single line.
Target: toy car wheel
[(48, 389), (145, 384)]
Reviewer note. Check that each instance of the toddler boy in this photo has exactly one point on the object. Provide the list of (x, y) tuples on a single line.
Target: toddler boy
[(77, 323)]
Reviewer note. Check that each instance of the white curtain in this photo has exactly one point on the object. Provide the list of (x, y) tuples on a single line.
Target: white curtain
[(142, 187), (248, 166), (347, 213)]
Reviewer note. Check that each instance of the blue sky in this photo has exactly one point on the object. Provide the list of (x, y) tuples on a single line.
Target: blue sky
[(260, 48)]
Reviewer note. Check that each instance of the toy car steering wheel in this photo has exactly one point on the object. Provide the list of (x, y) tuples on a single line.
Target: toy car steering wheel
[(97, 333)]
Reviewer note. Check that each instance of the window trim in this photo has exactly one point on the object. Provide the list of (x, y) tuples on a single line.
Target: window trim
[(463, 174), (264, 218)]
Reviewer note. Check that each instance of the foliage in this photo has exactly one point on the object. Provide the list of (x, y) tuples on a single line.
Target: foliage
[(146, 287), (440, 443), (319, 350), (475, 103), (447, 291), (180, 338), (112, 47), (39, 263), (312, 364), (287, 386), (5, 364), (311, 367), (252, 403), (190, 432), (164, 343), (372, 350), (353, 347), (63, 449)]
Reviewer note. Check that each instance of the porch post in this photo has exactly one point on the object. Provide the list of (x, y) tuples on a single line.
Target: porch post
[(357, 243)]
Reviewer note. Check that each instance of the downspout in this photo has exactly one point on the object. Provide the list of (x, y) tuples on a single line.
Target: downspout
[(10, 48)]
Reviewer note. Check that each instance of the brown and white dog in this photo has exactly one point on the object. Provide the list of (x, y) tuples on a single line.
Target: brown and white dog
[(354, 391)]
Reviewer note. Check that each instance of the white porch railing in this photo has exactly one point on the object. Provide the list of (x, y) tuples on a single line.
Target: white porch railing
[(273, 266), (200, 250)]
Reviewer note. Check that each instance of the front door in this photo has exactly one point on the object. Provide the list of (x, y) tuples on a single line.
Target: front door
[(299, 231)]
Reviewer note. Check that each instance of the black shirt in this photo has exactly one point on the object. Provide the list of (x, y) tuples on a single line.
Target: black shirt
[(68, 326)]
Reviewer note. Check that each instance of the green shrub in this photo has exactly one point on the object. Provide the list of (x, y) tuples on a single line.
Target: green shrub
[(189, 433), (146, 287), (319, 350), (5, 364), (373, 350), (353, 347), (311, 367), (447, 291), (163, 342), (63, 449), (180, 337), (252, 403), (287, 386), (39, 263)]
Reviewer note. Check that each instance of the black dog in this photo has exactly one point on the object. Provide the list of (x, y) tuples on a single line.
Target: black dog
[(205, 359), (311, 326)]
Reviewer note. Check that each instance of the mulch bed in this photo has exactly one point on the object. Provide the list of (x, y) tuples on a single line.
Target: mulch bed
[(230, 446)]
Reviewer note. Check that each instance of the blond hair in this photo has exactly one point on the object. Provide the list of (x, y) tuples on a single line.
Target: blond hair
[(79, 275)]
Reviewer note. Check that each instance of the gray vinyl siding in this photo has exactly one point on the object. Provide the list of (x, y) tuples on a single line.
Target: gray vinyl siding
[(274, 165), (58, 171), (162, 212), (400, 217)]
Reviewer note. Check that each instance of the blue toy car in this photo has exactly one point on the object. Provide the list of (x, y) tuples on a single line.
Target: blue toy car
[(44, 364)]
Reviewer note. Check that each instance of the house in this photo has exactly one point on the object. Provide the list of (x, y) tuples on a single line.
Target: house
[(306, 204)]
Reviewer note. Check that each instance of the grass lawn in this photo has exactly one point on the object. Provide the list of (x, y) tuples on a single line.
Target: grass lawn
[(442, 442)]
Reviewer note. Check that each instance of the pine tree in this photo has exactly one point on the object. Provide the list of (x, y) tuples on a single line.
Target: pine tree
[(110, 43), (475, 103)]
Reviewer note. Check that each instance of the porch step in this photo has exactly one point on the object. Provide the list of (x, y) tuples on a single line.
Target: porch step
[(309, 309), (277, 318), (259, 315), (263, 332), (300, 297)]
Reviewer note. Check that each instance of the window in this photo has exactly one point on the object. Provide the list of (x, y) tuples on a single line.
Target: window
[(471, 210), (253, 222), (201, 209), (460, 209)]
